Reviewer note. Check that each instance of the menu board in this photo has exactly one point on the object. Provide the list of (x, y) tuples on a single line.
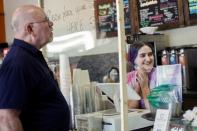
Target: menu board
[(193, 9), (106, 17), (162, 13), (190, 12)]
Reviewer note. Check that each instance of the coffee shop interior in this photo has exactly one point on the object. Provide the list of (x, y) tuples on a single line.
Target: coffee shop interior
[(91, 56)]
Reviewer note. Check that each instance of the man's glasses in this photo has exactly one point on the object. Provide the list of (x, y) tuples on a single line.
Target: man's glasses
[(45, 20)]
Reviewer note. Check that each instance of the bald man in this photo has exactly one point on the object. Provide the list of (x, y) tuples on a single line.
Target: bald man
[(30, 99)]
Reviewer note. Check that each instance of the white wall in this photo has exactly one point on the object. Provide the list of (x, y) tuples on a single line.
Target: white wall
[(179, 36), (182, 36)]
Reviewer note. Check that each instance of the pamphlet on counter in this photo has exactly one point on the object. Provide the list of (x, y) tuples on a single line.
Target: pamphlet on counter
[(171, 74)]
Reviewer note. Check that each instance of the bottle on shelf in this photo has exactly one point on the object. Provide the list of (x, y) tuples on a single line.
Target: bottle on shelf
[(173, 59), (165, 57), (182, 61)]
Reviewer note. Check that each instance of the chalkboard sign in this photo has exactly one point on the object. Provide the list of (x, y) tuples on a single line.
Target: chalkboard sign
[(190, 11), (106, 18), (162, 13), (70, 16)]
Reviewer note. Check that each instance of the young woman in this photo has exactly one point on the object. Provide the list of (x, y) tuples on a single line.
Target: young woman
[(143, 76)]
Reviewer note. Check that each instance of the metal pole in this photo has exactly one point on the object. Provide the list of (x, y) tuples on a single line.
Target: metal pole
[(122, 64)]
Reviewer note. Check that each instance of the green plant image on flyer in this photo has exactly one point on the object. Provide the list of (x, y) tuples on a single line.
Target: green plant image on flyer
[(161, 96)]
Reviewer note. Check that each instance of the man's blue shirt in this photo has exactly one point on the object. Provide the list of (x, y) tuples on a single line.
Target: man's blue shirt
[(27, 84)]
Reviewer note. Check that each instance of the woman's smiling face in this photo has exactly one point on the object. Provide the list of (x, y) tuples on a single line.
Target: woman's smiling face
[(145, 58)]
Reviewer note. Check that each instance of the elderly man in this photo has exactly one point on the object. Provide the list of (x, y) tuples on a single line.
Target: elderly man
[(30, 99)]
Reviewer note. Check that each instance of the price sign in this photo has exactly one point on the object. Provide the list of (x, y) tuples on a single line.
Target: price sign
[(162, 120)]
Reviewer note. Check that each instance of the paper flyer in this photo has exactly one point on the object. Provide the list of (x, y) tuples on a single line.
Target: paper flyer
[(171, 74)]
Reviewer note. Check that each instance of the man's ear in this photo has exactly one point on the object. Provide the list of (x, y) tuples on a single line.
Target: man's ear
[(28, 28)]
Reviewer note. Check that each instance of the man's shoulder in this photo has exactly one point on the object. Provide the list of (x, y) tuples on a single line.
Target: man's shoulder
[(18, 54), (16, 58)]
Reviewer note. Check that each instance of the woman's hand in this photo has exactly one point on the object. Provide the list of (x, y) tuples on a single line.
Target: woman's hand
[(143, 81), (142, 77)]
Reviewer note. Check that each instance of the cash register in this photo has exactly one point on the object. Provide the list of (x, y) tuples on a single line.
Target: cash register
[(110, 120)]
